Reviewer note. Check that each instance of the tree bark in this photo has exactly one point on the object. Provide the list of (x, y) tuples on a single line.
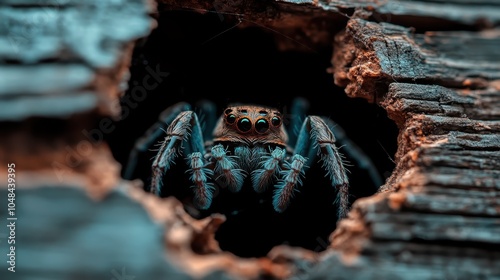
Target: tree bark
[(442, 198), (369, 56)]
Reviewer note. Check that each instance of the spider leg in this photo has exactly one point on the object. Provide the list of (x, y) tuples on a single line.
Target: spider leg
[(270, 167), (208, 117), (354, 152), (184, 133), (152, 136), (315, 138), (203, 191), (291, 177), (298, 113), (226, 170)]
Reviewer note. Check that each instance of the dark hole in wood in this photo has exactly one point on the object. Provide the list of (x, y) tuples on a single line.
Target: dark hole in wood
[(244, 66)]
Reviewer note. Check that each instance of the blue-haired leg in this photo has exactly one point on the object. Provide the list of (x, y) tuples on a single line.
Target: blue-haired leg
[(207, 112), (183, 133), (291, 179), (315, 138), (227, 172), (324, 141), (270, 166), (200, 174), (354, 152), (298, 113), (152, 136)]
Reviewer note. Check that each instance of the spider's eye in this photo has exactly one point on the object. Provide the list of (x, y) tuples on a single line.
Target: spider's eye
[(244, 125), (261, 126), (231, 118), (276, 121)]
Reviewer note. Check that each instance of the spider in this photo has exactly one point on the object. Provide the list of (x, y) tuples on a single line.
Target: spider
[(248, 142)]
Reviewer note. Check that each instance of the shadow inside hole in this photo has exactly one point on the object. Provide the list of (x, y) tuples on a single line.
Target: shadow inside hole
[(244, 66)]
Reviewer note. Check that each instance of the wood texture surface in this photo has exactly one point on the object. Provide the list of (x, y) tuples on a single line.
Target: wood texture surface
[(369, 56), (57, 52), (437, 215)]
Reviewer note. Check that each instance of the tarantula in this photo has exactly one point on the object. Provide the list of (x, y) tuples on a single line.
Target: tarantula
[(247, 142)]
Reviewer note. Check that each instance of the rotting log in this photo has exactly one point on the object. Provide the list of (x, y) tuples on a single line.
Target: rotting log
[(437, 215)]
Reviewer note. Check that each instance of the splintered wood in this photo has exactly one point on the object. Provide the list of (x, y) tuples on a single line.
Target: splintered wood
[(443, 196), (369, 56)]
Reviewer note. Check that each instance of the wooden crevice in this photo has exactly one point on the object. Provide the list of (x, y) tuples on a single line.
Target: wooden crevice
[(436, 217)]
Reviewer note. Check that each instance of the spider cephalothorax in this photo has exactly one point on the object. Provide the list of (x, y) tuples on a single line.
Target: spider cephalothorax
[(251, 125), (248, 143)]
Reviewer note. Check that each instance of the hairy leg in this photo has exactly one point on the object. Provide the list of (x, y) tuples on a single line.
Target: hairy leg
[(315, 139), (291, 178), (354, 152), (226, 170), (183, 135), (200, 174), (270, 168), (298, 113), (152, 136)]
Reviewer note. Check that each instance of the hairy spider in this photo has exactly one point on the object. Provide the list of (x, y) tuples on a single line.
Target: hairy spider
[(248, 141)]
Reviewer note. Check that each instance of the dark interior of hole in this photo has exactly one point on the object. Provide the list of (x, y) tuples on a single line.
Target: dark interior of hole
[(244, 65)]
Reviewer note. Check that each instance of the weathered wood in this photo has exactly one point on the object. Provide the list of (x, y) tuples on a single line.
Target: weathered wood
[(455, 135), (61, 233), (409, 260), (448, 200), (61, 93), (369, 56), (434, 227), (64, 52), (437, 100), (423, 12), (411, 239), (459, 158), (71, 30), (440, 89)]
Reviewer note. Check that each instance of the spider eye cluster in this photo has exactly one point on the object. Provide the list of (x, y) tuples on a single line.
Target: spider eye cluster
[(260, 122)]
